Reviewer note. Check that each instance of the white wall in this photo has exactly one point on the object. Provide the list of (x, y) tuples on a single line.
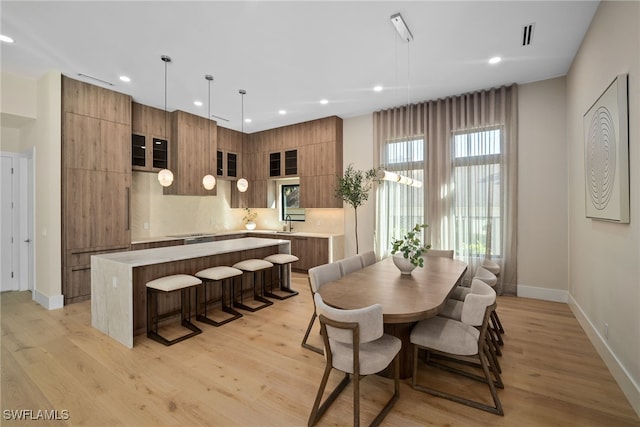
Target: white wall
[(604, 257), (542, 188), (31, 117)]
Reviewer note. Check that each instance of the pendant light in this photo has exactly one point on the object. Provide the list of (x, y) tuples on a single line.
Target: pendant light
[(165, 176), (209, 181), (242, 184)]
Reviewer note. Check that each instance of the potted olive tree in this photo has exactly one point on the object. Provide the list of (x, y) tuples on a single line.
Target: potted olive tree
[(353, 188)]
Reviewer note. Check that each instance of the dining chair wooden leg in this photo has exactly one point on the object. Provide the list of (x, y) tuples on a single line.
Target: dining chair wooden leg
[(306, 336), (494, 329), (318, 409), (496, 320)]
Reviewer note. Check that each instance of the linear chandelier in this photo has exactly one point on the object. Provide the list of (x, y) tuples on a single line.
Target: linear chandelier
[(401, 179)]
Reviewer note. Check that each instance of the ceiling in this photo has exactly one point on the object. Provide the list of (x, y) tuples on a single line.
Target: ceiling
[(290, 55)]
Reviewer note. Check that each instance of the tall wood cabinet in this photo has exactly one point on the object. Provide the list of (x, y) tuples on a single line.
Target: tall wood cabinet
[(96, 180), (192, 153)]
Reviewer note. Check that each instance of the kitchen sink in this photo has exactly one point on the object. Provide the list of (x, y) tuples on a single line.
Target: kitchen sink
[(286, 232)]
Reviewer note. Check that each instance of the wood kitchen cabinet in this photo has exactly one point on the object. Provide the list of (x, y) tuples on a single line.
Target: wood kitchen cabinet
[(96, 180), (228, 155), (311, 151), (192, 154), (150, 138), (254, 197), (283, 164), (311, 251)]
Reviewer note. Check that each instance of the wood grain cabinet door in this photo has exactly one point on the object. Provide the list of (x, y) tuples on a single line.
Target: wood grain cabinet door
[(98, 209)]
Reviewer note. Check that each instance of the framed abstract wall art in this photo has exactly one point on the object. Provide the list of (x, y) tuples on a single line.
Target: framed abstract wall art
[(606, 154)]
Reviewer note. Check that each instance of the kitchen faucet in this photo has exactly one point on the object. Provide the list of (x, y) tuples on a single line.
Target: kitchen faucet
[(288, 218)]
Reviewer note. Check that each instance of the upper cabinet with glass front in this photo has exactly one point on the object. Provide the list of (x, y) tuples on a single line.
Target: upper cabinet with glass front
[(228, 153), (150, 129)]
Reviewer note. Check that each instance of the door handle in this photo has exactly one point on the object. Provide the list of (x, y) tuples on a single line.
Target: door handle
[(28, 241)]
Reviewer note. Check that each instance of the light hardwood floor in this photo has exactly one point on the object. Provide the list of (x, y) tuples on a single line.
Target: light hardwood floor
[(253, 372)]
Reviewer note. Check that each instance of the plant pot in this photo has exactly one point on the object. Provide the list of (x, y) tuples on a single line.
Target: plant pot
[(250, 225), (403, 264)]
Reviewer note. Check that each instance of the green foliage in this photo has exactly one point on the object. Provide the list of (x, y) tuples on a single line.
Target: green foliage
[(354, 185), (249, 215), (411, 246)]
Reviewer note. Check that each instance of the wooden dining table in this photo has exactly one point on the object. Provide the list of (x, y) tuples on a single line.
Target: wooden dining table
[(405, 298)]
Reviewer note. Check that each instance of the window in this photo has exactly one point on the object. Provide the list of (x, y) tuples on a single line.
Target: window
[(290, 202), (477, 179)]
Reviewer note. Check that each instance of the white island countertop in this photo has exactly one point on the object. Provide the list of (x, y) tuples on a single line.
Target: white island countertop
[(178, 253)]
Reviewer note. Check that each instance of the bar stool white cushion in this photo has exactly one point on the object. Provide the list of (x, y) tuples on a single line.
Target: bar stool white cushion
[(252, 265), (219, 273), (174, 282), (281, 258)]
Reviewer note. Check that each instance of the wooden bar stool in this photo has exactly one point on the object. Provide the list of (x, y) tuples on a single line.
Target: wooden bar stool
[(254, 266), (219, 274), (282, 261), (166, 285)]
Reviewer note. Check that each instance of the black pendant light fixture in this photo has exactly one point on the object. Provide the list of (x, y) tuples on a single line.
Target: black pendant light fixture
[(242, 184), (165, 176)]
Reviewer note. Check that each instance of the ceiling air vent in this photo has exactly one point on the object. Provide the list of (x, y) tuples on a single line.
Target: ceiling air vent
[(527, 34)]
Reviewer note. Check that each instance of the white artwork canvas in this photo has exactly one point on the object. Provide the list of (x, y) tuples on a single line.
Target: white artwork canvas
[(606, 153)]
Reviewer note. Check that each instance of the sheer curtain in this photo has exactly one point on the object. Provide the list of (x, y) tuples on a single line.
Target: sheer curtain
[(399, 207), (469, 193)]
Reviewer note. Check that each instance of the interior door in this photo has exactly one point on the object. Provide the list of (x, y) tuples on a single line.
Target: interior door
[(8, 279)]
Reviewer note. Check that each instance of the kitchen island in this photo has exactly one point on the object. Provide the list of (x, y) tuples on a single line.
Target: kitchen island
[(118, 280)]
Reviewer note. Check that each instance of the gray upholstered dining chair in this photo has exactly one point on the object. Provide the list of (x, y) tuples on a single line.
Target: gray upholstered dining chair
[(444, 253), (351, 264), (491, 279), (452, 309), (463, 341), (318, 276), (368, 258), (355, 343), (491, 265)]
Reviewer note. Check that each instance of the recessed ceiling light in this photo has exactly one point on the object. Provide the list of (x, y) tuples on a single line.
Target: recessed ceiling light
[(324, 101), (282, 112), (247, 120), (377, 88), (197, 103), (495, 60), (5, 39), (125, 79)]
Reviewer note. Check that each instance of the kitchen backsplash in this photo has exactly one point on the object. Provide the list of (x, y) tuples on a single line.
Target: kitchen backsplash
[(154, 214)]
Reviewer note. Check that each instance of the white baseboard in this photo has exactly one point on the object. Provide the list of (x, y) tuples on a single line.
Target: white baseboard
[(630, 389), (545, 294), (50, 303)]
